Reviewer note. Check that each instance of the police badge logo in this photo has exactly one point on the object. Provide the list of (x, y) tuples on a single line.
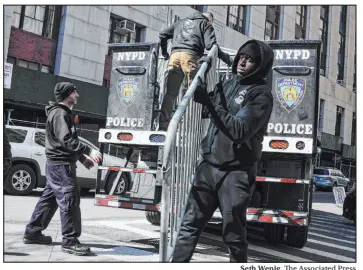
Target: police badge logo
[(128, 88), (290, 92)]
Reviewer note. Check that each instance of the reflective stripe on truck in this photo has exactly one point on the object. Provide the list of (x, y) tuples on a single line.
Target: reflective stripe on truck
[(283, 180)]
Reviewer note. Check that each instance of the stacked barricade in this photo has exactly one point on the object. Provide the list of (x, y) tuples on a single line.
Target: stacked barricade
[(185, 132)]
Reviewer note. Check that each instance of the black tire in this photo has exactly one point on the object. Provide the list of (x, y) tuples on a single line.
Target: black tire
[(153, 217), (85, 190), (20, 180), (297, 236), (274, 233), (123, 185)]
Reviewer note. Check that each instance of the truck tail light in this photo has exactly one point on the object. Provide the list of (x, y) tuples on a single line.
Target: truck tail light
[(125, 136), (279, 144), (158, 138)]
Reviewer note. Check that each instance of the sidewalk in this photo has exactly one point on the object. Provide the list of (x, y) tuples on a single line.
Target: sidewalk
[(103, 249)]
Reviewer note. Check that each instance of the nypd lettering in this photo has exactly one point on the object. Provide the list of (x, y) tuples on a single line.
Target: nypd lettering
[(292, 54), (284, 128), (290, 91), (241, 97), (129, 56), (125, 122)]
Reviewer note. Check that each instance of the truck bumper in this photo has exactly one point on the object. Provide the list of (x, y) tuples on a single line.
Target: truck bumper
[(272, 216)]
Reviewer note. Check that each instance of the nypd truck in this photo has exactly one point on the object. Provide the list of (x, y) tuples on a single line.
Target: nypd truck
[(282, 199), (282, 196)]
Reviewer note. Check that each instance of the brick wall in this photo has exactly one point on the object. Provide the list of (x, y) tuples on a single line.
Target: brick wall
[(31, 47)]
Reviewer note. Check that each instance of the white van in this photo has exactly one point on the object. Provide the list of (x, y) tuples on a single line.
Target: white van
[(28, 163)]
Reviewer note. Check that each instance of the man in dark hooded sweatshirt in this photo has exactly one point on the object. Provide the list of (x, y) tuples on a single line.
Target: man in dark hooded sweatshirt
[(190, 36), (239, 112), (63, 149)]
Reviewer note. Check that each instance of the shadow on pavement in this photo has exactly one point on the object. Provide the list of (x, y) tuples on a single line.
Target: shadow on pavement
[(16, 254), (331, 239), (323, 197)]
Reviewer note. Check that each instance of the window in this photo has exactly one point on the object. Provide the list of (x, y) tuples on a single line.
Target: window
[(321, 115), (39, 138), (198, 8), (40, 20), (17, 16), (324, 20), (31, 65), (27, 64), (236, 18), (114, 36), (341, 52), (272, 22), (11, 60), (339, 124), (320, 172), (45, 69), (354, 130), (16, 135), (300, 22)]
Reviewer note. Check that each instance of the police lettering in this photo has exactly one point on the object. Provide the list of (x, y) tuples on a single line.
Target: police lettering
[(292, 54), (122, 56), (124, 122), (306, 129)]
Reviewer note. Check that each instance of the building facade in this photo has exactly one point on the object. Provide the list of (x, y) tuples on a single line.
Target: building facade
[(71, 42)]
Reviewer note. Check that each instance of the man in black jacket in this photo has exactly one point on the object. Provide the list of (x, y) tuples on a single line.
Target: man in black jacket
[(63, 149), (239, 112), (190, 36)]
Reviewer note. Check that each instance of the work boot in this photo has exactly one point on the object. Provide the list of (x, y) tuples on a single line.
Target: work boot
[(77, 249), (39, 239)]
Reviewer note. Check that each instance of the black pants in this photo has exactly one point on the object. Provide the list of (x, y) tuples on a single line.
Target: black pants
[(61, 190), (230, 190)]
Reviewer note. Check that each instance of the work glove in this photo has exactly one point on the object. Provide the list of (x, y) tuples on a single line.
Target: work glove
[(201, 94), (7, 166), (166, 55), (225, 57), (86, 161), (206, 59), (96, 156)]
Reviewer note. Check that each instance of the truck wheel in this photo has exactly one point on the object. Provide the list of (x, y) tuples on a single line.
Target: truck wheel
[(274, 233), (297, 236), (153, 217), (122, 186), (20, 180)]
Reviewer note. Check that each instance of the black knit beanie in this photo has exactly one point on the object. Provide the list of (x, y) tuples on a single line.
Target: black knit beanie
[(252, 50), (62, 90)]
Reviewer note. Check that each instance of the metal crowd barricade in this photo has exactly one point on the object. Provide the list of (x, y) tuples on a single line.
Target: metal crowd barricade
[(184, 135)]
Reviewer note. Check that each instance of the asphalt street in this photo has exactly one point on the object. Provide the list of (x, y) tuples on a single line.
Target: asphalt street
[(120, 235)]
